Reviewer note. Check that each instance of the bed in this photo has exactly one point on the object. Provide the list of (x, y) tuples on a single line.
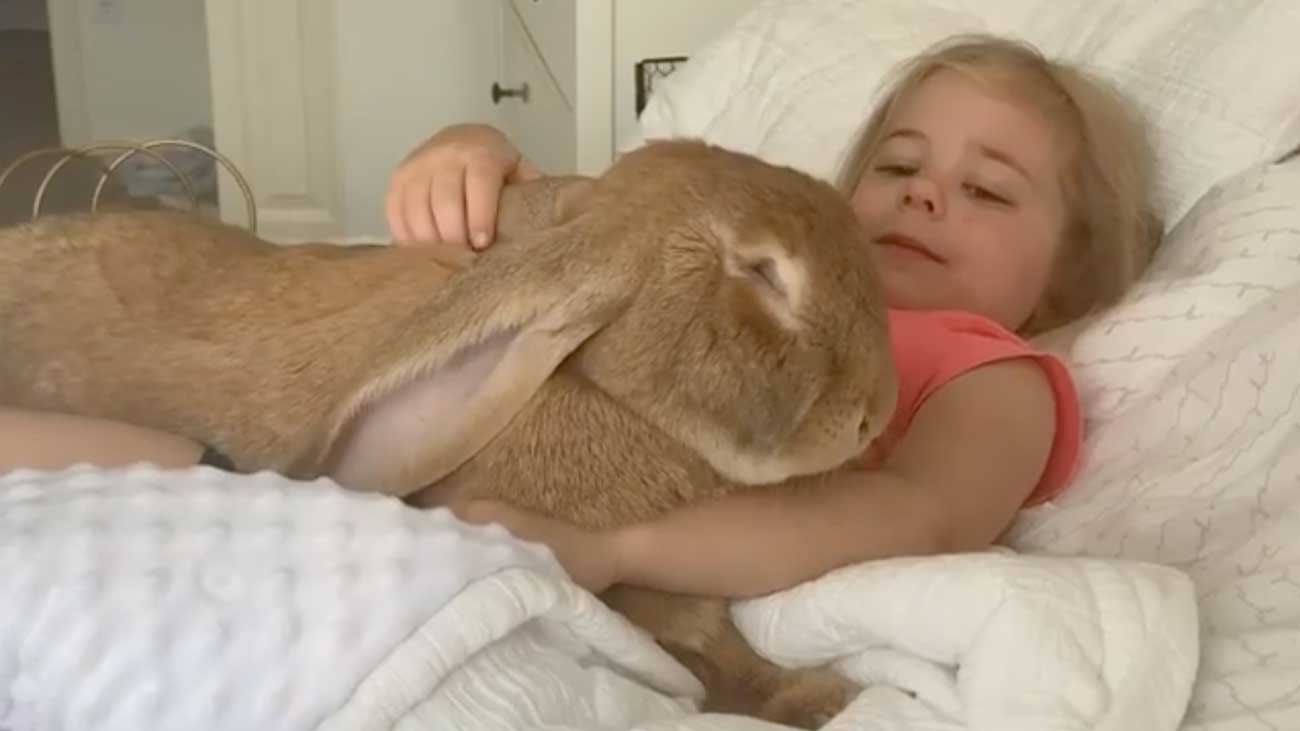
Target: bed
[(1161, 592)]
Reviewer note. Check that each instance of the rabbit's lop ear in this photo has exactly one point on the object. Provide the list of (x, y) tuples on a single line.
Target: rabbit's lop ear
[(456, 370)]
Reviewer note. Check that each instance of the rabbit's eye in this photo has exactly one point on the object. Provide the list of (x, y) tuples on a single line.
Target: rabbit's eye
[(765, 270), (776, 280)]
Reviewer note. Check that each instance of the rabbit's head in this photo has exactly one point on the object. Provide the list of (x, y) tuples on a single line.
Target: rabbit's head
[(729, 302), (757, 334)]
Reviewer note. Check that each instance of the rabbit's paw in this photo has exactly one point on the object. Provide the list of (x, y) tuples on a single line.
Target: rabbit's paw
[(809, 698)]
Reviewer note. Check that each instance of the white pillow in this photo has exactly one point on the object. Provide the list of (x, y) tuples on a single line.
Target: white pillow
[(1192, 386), (792, 81), (1236, 253)]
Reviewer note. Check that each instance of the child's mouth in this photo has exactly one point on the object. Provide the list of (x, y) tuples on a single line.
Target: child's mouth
[(910, 245)]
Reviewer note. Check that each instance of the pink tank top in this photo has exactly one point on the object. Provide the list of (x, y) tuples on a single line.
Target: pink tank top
[(931, 348)]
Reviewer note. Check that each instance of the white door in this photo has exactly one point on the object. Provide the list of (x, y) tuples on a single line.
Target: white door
[(535, 90), (272, 64), (316, 101)]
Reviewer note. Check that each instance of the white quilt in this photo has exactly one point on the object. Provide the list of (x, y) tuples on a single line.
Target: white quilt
[(141, 599), (193, 600)]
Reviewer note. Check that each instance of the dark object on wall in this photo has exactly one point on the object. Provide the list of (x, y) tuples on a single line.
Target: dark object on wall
[(649, 69)]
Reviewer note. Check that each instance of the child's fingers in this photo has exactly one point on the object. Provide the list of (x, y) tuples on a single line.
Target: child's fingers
[(482, 198), (396, 218), (447, 201), (417, 212), (525, 170)]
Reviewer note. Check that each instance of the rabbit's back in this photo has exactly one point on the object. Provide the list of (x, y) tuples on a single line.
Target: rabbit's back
[(167, 320)]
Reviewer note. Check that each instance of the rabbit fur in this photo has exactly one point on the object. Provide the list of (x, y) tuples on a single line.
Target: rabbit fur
[(690, 323)]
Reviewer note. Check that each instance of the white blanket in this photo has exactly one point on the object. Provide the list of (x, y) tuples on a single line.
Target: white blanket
[(141, 599)]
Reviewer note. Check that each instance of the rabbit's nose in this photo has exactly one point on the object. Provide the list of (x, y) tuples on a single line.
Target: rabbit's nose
[(865, 431), (875, 418)]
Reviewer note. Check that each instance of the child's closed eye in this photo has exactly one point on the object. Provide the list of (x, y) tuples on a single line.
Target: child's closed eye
[(896, 169), (979, 192)]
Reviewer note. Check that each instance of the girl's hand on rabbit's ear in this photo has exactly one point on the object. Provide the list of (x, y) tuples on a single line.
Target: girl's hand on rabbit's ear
[(588, 556), (447, 190)]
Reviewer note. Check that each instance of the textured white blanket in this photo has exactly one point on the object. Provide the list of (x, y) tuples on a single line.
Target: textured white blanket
[(141, 599)]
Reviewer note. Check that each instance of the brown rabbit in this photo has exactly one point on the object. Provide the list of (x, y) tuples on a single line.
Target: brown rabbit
[(692, 322)]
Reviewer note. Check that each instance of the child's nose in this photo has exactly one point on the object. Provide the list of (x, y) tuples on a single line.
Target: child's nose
[(924, 196)]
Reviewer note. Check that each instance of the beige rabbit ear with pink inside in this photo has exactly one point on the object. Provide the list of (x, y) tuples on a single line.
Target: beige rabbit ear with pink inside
[(461, 366)]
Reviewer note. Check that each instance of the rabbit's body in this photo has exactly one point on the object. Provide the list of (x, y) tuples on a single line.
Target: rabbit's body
[(162, 294), (169, 321), (690, 323), (575, 453)]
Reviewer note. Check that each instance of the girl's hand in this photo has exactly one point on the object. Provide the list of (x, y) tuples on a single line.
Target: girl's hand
[(447, 190), (590, 557)]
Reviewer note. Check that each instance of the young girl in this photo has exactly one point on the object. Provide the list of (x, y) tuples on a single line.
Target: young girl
[(1005, 194)]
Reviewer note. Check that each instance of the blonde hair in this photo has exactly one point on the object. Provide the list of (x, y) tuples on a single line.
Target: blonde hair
[(1111, 230)]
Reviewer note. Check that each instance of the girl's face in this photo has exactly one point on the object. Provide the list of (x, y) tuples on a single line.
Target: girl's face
[(962, 202)]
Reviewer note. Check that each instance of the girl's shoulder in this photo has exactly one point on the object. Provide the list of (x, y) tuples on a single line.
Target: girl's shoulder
[(931, 348)]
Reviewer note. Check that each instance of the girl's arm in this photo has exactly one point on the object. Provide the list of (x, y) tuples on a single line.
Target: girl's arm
[(45, 440), (972, 455)]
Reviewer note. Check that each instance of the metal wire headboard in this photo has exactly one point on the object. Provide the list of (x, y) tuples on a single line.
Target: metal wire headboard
[(127, 149)]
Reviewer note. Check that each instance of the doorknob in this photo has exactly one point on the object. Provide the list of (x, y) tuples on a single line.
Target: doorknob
[(498, 92)]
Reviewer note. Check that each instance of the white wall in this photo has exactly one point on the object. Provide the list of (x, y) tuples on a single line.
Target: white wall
[(144, 67), (23, 15), (405, 70)]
